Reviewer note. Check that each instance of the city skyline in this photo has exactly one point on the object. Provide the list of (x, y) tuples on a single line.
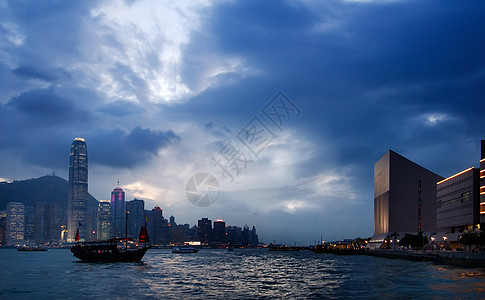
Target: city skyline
[(163, 91), (44, 223)]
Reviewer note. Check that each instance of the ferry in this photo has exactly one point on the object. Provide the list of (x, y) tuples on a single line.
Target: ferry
[(184, 249), (31, 248)]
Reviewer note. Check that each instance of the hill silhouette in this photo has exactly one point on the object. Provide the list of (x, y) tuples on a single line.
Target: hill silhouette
[(50, 189)]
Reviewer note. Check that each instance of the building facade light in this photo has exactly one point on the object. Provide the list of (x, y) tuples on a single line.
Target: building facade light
[(453, 176)]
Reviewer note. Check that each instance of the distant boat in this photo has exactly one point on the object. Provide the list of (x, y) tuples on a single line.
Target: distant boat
[(274, 247), (184, 249), (31, 248), (112, 250)]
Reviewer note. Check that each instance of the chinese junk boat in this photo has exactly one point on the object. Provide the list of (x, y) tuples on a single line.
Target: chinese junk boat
[(112, 250)]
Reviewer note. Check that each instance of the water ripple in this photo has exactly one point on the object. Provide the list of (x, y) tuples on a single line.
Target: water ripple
[(239, 274)]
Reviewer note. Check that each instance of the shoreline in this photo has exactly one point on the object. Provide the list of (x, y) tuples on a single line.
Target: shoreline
[(457, 258)]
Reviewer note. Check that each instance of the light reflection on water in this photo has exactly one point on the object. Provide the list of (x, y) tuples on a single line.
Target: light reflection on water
[(243, 273)]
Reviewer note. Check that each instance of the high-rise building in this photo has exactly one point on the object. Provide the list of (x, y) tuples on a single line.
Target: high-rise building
[(404, 197), (77, 197), (136, 217), (47, 222), (205, 230), (482, 184), (118, 212), (254, 237), (3, 223), (158, 226), (220, 231), (15, 226), (246, 237), (193, 234), (234, 235), (29, 224), (104, 227), (458, 202)]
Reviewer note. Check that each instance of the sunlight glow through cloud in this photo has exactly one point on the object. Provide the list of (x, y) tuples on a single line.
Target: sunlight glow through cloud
[(145, 40), (435, 118), (142, 190), (294, 205)]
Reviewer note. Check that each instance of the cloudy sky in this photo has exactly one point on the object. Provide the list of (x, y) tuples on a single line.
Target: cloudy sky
[(164, 90)]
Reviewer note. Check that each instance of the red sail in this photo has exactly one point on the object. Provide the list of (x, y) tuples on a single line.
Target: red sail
[(78, 237), (144, 235)]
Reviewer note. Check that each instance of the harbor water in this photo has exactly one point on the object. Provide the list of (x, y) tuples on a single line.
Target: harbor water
[(238, 274)]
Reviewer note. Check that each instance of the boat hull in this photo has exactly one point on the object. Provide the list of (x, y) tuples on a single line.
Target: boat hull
[(88, 254)]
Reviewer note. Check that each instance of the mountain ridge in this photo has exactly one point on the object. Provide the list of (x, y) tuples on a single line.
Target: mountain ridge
[(48, 188)]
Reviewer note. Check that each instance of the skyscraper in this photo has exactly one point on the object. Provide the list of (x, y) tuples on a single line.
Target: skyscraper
[(254, 237), (47, 222), (28, 224), (158, 226), (246, 237), (458, 202), (77, 197), (3, 224), (15, 226), (220, 231), (136, 217), (205, 230), (118, 212), (104, 227), (482, 183)]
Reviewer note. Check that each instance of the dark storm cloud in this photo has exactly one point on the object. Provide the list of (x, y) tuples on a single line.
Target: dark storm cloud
[(41, 124), (46, 106), (372, 45), (365, 84), (30, 72), (49, 23), (118, 148), (37, 124), (436, 46)]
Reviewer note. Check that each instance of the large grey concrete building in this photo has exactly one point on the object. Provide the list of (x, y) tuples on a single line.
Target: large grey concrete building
[(404, 197)]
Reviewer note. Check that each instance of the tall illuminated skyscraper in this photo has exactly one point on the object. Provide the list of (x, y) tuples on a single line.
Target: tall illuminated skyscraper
[(77, 197), (118, 212), (15, 225), (104, 226)]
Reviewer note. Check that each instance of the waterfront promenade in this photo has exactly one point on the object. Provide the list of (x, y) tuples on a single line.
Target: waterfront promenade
[(460, 258)]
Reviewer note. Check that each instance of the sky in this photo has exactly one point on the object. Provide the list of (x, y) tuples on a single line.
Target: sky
[(284, 106)]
